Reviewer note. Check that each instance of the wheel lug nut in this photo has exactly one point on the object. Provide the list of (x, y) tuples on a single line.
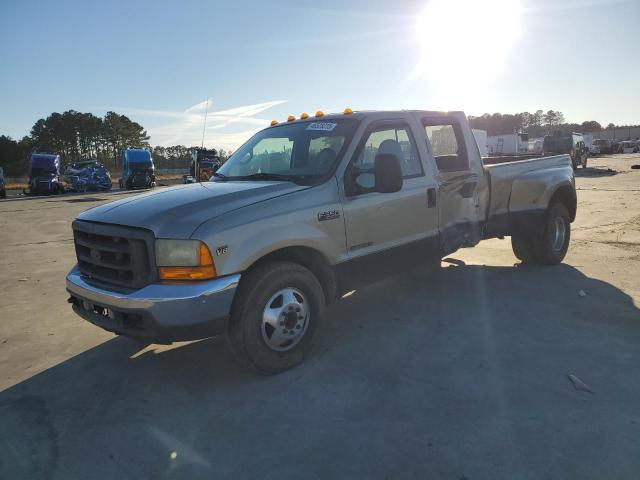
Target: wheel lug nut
[(298, 327), (284, 330)]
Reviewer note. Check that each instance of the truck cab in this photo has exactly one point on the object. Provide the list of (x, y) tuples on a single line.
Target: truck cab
[(137, 169), (304, 212), (572, 144), (204, 163), (44, 174)]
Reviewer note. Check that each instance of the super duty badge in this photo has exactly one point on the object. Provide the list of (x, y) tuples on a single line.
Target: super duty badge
[(328, 215)]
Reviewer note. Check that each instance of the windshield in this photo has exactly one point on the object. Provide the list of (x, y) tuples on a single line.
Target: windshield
[(140, 166), (303, 152)]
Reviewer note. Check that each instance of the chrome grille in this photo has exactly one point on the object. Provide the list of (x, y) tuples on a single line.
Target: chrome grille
[(114, 255)]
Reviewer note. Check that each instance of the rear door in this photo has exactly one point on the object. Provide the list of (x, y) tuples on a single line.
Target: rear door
[(460, 180), (388, 232)]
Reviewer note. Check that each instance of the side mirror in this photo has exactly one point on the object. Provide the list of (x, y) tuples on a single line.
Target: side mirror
[(388, 173)]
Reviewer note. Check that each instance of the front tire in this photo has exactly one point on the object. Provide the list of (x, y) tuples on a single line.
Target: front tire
[(551, 247), (275, 317)]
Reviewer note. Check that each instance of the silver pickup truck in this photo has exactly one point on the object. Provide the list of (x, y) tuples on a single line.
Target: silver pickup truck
[(301, 214)]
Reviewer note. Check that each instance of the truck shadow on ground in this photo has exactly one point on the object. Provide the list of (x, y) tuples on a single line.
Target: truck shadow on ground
[(412, 374)]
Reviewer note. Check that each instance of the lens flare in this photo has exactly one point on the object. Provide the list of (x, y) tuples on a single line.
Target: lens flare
[(467, 37)]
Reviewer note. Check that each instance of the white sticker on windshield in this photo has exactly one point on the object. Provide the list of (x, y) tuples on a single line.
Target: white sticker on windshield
[(322, 126)]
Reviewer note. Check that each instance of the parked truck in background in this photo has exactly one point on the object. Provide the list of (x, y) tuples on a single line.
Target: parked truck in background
[(44, 175), (630, 146), (604, 146), (3, 187), (302, 213), (572, 144), (137, 169), (204, 163)]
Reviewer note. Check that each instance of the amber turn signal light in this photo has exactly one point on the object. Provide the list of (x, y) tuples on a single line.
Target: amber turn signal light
[(204, 271)]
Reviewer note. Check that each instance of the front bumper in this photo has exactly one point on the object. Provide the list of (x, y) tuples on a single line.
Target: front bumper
[(160, 312)]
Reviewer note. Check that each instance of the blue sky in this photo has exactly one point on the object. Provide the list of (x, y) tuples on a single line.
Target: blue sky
[(158, 62)]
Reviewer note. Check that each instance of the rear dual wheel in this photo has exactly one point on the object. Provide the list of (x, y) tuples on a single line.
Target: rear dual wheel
[(551, 246)]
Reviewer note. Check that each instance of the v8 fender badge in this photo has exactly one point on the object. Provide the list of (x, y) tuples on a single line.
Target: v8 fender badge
[(328, 215), (222, 250)]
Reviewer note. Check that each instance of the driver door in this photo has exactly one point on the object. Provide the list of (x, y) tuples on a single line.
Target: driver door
[(387, 232)]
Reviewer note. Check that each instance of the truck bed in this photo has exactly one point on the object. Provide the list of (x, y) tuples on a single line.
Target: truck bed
[(521, 186)]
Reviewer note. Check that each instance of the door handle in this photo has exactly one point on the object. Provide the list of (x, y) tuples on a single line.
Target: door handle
[(431, 197)]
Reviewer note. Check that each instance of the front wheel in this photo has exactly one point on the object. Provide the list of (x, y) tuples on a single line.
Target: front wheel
[(275, 317), (551, 247)]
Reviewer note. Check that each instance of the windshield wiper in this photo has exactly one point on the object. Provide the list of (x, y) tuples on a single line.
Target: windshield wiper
[(266, 176)]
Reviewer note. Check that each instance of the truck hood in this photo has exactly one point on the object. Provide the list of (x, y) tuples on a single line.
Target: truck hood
[(176, 212)]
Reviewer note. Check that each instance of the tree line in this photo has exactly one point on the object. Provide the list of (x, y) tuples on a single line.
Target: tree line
[(536, 124), (178, 156), (80, 136)]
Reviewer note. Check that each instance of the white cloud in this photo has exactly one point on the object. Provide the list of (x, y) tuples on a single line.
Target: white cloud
[(185, 128)]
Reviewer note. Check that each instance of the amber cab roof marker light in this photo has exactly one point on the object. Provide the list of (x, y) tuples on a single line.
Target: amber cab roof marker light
[(274, 122), (319, 113), (347, 111), (290, 118)]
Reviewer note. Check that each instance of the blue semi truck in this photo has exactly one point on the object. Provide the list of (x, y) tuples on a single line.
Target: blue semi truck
[(137, 169), (44, 174)]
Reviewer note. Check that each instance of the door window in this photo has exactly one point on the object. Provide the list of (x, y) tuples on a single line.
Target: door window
[(395, 140), (447, 146)]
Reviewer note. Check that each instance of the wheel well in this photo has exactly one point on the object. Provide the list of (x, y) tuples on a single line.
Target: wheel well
[(312, 260), (567, 196)]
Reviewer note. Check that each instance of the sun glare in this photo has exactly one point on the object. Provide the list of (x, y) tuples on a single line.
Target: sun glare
[(467, 37)]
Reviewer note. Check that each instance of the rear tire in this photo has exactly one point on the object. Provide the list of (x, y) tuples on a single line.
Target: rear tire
[(551, 247), (292, 296), (523, 248)]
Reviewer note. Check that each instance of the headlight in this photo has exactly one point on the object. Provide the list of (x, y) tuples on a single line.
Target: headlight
[(184, 260)]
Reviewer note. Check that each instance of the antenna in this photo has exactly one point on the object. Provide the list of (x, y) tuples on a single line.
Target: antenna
[(204, 126)]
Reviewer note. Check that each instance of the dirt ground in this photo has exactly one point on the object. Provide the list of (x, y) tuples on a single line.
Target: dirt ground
[(463, 373)]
